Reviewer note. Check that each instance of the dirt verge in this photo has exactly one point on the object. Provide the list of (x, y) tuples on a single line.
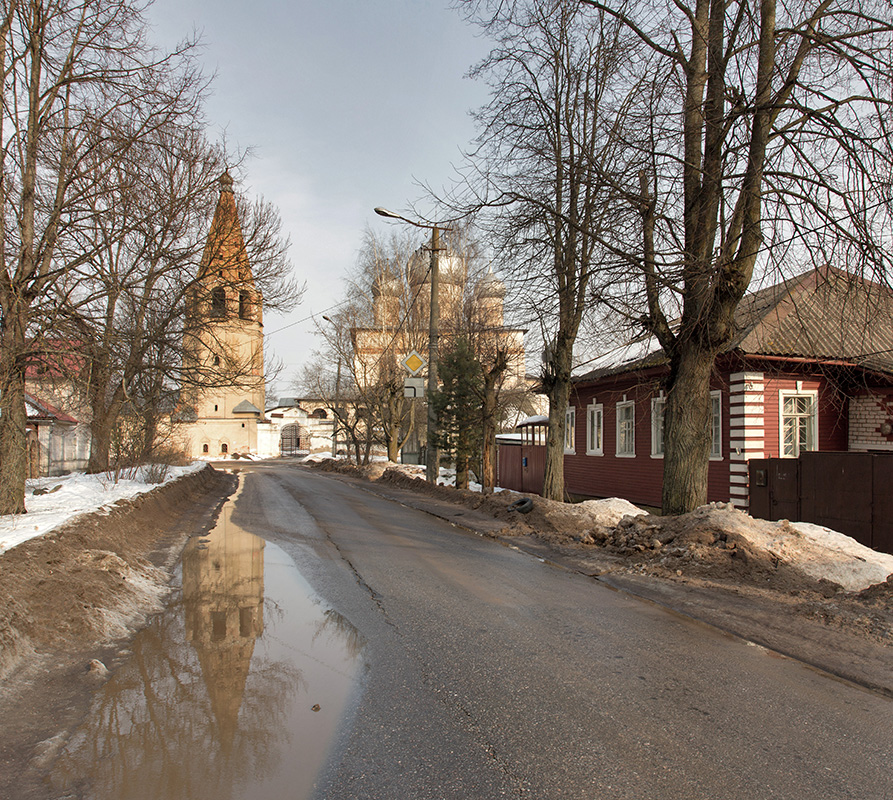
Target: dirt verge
[(71, 597)]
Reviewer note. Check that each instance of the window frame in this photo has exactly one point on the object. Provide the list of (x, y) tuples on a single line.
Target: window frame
[(786, 394), (570, 430), (657, 425), (598, 409), (622, 406), (716, 453)]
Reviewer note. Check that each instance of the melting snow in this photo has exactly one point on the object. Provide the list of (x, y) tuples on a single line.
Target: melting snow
[(72, 495)]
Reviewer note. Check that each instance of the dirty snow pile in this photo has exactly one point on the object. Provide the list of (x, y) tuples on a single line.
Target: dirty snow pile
[(815, 550), (602, 513), (51, 502), (140, 593), (446, 477)]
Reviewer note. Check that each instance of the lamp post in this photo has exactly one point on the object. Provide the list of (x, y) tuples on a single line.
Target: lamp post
[(432, 455), (337, 410)]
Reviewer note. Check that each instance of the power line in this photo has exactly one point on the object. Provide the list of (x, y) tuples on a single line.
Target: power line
[(307, 319)]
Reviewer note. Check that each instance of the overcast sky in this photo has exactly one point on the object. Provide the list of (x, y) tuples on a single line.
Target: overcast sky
[(348, 104)]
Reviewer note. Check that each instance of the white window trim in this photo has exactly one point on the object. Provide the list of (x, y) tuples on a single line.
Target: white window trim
[(600, 410), (570, 430), (798, 392), (716, 393), (660, 401), (625, 404)]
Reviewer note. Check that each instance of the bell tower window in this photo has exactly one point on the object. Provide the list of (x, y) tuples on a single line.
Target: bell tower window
[(218, 302), (244, 305)]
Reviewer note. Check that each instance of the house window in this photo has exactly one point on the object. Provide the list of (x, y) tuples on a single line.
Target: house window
[(716, 425), (658, 414), (658, 410), (205, 448), (798, 422), (626, 429), (570, 419), (223, 448), (594, 430)]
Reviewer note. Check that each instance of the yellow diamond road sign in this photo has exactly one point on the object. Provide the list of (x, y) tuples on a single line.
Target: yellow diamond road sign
[(414, 363)]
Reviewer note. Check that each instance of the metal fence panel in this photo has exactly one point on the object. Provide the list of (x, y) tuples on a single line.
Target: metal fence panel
[(847, 492)]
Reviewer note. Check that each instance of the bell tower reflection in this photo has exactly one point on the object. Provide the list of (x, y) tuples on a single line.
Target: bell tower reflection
[(223, 593)]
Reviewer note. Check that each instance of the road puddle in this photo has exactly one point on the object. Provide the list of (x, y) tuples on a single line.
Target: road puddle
[(236, 691)]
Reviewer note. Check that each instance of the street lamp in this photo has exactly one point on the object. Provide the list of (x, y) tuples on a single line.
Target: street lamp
[(337, 410), (432, 456)]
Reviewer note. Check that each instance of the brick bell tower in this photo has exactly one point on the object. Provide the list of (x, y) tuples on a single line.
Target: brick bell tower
[(223, 392)]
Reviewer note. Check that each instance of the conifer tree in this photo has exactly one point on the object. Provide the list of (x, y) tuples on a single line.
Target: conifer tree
[(458, 405)]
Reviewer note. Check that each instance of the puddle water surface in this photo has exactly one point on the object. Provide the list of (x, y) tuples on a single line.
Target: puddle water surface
[(236, 691)]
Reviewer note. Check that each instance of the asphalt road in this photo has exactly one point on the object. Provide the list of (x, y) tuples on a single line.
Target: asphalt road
[(492, 674)]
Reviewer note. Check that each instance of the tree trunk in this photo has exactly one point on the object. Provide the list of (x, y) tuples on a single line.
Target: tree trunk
[(553, 481), (13, 418), (687, 430), (488, 451), (557, 382), (101, 427), (100, 443), (462, 473)]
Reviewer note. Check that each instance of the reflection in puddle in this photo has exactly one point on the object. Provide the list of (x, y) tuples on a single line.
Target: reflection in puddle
[(234, 692)]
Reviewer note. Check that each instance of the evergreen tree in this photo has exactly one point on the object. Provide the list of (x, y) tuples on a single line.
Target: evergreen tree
[(459, 408)]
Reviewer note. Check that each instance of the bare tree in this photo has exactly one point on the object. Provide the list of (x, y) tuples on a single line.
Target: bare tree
[(540, 169), (74, 74), (758, 135), (726, 139), (357, 368)]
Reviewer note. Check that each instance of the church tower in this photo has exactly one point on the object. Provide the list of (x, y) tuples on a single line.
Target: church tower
[(223, 393)]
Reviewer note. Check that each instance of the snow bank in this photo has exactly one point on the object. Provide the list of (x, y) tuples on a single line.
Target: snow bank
[(814, 550), (71, 495), (841, 558), (610, 511)]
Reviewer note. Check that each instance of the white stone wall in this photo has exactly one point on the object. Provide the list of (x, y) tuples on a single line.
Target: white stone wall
[(747, 433), (871, 422)]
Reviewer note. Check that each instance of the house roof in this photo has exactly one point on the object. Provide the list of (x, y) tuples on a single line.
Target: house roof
[(38, 409), (826, 314), (55, 358)]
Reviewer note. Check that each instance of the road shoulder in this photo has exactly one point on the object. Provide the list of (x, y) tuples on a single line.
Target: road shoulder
[(768, 619)]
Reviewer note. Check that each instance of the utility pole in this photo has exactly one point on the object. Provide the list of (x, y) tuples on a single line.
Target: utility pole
[(337, 410), (432, 453)]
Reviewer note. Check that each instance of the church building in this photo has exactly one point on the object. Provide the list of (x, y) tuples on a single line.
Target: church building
[(221, 409)]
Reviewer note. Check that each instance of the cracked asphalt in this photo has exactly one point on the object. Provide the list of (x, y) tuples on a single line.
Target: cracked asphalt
[(491, 672)]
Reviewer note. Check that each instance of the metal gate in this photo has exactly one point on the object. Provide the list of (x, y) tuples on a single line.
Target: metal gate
[(775, 488), (847, 492)]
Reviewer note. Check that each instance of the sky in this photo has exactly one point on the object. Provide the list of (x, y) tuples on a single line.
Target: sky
[(347, 105)]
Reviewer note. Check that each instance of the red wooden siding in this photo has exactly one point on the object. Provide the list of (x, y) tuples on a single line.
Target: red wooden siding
[(833, 432), (638, 479)]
